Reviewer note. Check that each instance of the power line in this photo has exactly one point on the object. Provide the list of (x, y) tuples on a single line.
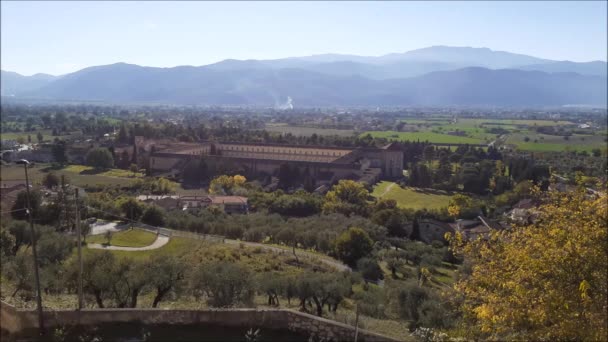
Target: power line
[(123, 218), (12, 211)]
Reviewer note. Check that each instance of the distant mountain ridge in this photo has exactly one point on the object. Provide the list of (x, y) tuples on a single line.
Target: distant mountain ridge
[(432, 76)]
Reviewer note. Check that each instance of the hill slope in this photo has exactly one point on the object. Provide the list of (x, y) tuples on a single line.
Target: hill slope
[(267, 86)]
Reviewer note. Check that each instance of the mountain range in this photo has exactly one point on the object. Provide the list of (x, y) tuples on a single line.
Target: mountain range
[(436, 75)]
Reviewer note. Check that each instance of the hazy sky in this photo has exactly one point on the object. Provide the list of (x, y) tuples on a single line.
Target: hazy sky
[(61, 37)]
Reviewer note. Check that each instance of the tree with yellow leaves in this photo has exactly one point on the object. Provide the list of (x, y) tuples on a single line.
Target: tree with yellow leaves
[(547, 281), (224, 184), (347, 197), (459, 204)]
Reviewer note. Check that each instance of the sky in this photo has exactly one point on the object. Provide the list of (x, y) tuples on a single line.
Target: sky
[(63, 37)]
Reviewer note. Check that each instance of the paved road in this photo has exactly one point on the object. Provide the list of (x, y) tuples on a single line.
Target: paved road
[(101, 227), (163, 240), (160, 241)]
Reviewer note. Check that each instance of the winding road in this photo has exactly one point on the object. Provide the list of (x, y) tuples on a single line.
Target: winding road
[(160, 241)]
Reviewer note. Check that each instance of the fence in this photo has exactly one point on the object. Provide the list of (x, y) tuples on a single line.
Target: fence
[(15, 320), (179, 233)]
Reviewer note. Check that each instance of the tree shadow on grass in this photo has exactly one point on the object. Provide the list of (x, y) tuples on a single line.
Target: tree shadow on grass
[(92, 171)]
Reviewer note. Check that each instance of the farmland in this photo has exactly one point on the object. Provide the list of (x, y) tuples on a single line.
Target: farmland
[(47, 135), (307, 131), (544, 142), (520, 134), (425, 136), (74, 173)]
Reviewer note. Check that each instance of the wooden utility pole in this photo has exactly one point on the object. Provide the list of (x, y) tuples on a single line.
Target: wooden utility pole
[(34, 250), (78, 232), (356, 322)]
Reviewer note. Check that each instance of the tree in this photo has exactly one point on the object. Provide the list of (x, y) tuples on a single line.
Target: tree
[(59, 152), (444, 171), (7, 245), (108, 236), (429, 154), (50, 180), (370, 270), (224, 283), (226, 184), (352, 245), (271, 284), (133, 168), (97, 276), (100, 158), (395, 220), (52, 247), (40, 137), (544, 281), (459, 204), (168, 275), (131, 208), (20, 271), (20, 207), (321, 289), (154, 216), (122, 137), (394, 264), (347, 197), (300, 205)]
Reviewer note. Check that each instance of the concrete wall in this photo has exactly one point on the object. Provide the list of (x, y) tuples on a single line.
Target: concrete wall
[(14, 320)]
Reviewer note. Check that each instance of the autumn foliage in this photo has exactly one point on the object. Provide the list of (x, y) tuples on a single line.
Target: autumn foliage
[(547, 281)]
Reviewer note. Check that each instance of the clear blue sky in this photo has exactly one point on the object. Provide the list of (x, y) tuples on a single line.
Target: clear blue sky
[(62, 37)]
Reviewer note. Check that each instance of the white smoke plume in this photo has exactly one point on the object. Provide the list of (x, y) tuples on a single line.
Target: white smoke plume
[(287, 105)]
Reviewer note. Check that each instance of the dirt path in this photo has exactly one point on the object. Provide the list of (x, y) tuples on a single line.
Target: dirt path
[(160, 241), (388, 188)]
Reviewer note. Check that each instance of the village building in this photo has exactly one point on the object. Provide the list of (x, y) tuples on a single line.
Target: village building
[(322, 163), (227, 204)]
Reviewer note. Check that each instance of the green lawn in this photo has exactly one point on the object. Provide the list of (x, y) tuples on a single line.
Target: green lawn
[(126, 238), (410, 197)]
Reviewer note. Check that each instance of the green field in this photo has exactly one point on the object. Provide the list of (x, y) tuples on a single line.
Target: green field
[(72, 172), (83, 169), (553, 143), (425, 136), (47, 135), (307, 131), (127, 238), (435, 131), (411, 198)]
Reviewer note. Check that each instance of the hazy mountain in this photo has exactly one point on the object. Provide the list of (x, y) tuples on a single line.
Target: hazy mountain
[(417, 62), (483, 57), (258, 85), (588, 68), (12, 83)]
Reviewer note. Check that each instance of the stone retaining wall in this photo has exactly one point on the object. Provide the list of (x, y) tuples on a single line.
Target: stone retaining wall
[(14, 320)]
